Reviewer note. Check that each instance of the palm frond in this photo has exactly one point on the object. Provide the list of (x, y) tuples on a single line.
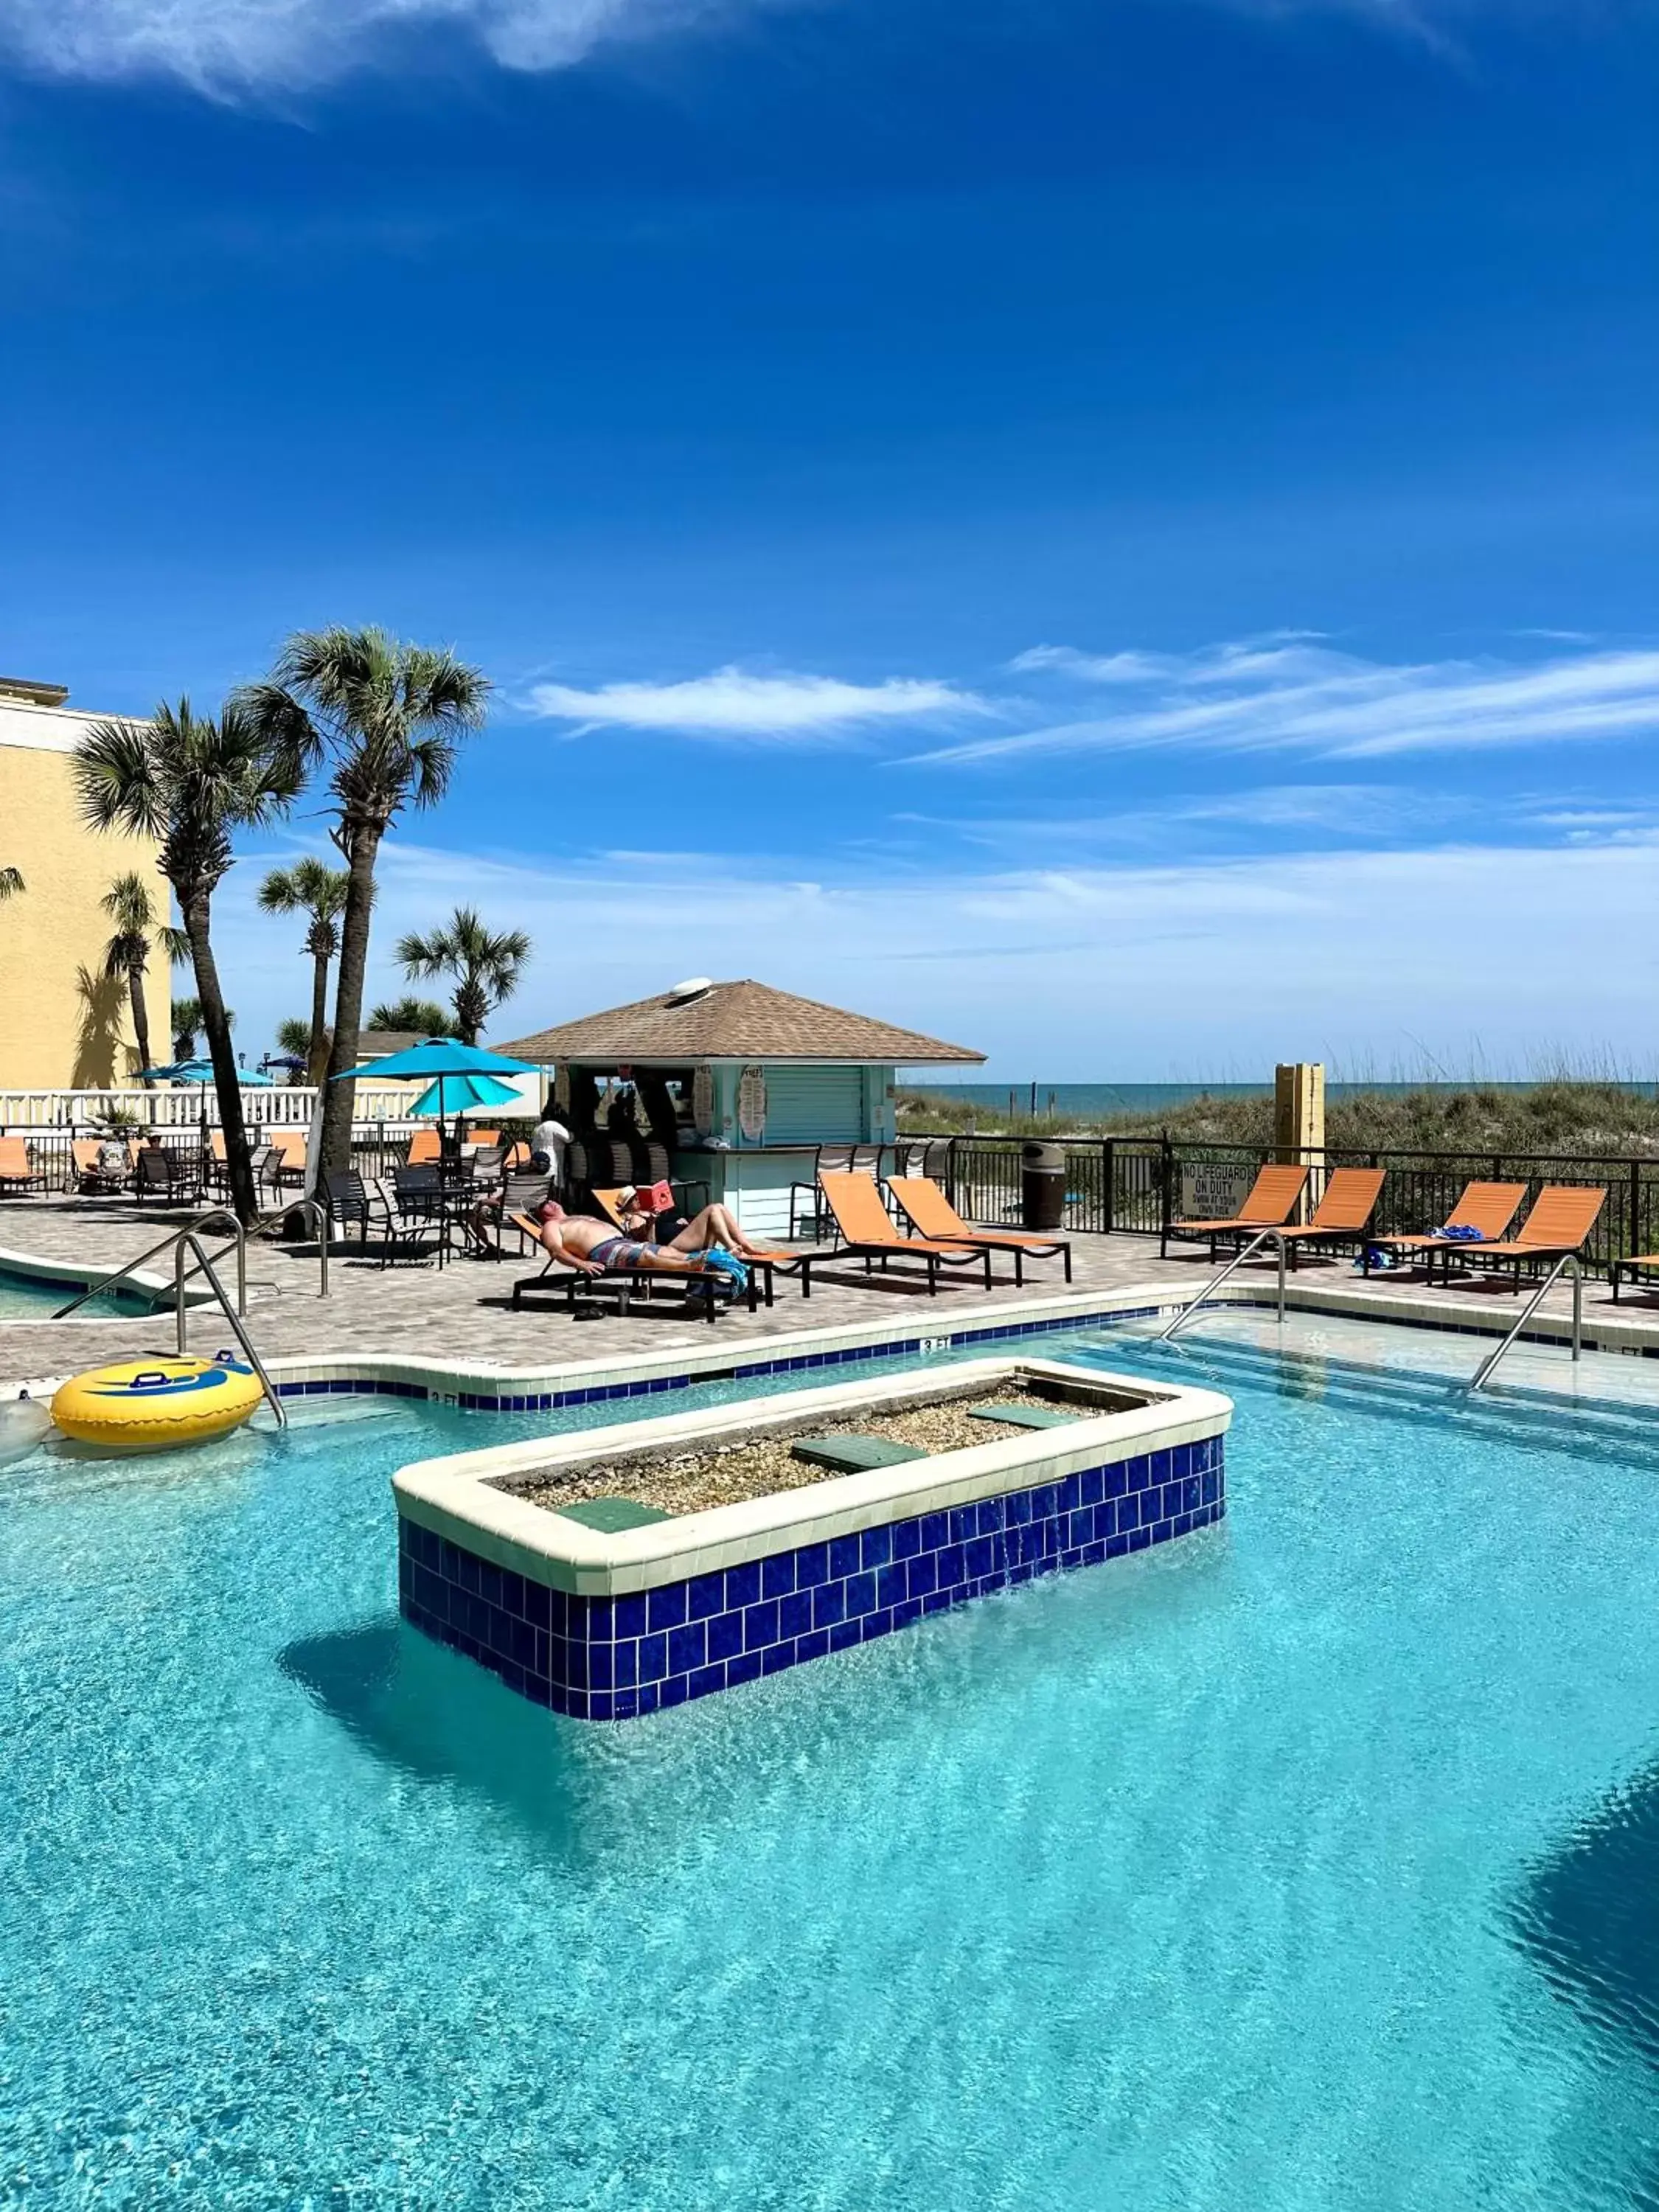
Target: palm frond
[(117, 776)]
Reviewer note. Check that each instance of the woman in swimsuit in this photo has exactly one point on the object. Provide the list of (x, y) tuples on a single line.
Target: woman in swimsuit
[(593, 1246)]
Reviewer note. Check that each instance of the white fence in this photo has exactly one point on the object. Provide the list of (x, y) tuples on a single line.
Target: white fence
[(182, 1106)]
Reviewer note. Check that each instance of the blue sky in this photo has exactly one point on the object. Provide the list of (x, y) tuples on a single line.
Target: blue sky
[(1120, 532)]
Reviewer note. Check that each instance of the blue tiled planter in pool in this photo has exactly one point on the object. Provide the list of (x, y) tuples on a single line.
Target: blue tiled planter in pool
[(614, 1657)]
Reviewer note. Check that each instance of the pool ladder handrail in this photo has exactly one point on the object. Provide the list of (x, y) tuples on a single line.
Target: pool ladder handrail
[(187, 1239), (311, 1208), (1261, 1236), (1483, 1374), (215, 1213), (182, 1240)]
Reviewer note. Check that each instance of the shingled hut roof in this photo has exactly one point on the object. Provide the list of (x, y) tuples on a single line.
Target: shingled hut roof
[(743, 1020)]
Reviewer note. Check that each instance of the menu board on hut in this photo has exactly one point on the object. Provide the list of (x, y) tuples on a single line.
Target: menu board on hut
[(751, 1104)]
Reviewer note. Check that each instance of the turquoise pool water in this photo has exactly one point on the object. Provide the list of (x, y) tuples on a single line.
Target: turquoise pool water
[(1306, 1865), (23, 1299)]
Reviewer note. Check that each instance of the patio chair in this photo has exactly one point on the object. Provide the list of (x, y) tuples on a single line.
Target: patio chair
[(165, 1177), (1271, 1200), (90, 1173), (353, 1203), (807, 1200), (1488, 1206), (1347, 1203), (217, 1174), (864, 1230), (16, 1171), (1562, 1216), (266, 1164), (931, 1214), (424, 1149), (418, 1191), (523, 1191)]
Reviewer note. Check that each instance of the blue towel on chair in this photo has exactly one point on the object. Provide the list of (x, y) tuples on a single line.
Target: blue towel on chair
[(726, 1263), (1459, 1232)]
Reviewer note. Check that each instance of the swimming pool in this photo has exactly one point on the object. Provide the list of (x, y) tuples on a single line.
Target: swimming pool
[(38, 1298), (1283, 1869)]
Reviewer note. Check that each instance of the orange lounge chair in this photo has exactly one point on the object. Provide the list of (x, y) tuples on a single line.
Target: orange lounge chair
[(931, 1214), (1348, 1202), (16, 1173), (1563, 1215), (1488, 1206), (864, 1230), (1272, 1201), (424, 1149)]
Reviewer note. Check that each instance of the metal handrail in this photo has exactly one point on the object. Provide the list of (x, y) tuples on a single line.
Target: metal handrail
[(314, 1211), (1210, 1289), (1483, 1373), (186, 1237), (213, 1213)]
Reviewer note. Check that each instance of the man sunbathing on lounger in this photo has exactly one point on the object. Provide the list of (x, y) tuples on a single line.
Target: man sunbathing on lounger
[(591, 1246)]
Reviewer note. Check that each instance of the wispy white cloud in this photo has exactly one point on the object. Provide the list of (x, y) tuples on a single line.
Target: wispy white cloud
[(1291, 691), (229, 47), (232, 48), (734, 702), (1200, 966)]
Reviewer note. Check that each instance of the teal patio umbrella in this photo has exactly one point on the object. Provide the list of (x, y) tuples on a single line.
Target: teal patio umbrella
[(464, 1092), (444, 1062), (201, 1071)]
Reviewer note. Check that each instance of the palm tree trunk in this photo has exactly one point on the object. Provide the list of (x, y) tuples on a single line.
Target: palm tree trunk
[(226, 1088), (140, 1022), (317, 1051), (340, 1098)]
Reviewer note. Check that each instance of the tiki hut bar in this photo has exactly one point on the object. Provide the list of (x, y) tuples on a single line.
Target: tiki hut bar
[(730, 1090)]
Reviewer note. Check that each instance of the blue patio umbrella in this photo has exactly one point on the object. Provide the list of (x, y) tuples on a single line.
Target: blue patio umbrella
[(201, 1071), (443, 1061)]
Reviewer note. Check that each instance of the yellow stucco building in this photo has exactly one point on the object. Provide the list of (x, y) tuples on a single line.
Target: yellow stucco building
[(64, 1025)]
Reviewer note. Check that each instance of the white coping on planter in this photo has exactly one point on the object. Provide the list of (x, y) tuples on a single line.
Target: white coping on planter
[(697, 1358), (454, 1495)]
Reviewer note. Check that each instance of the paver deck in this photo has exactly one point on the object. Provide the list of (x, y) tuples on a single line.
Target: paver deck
[(463, 1311)]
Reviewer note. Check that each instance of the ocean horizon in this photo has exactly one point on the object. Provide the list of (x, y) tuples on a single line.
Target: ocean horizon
[(1103, 1098)]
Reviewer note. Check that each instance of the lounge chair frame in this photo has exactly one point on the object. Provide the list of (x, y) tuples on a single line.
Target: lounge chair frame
[(850, 1187), (1023, 1243), (1258, 1213)]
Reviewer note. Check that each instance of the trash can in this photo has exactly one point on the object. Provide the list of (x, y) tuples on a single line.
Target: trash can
[(1042, 1185)]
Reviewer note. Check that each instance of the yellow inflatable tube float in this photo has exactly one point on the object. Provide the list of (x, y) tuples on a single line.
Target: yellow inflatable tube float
[(157, 1404)]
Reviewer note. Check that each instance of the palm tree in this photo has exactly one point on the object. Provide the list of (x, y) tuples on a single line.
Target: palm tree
[(294, 1037), (189, 781), (186, 1018), (311, 887), (424, 1016), (130, 908), (388, 719), (11, 882), (486, 966)]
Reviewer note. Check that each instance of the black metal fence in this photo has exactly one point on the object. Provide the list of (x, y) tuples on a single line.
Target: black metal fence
[(1132, 1184), (1136, 1183)]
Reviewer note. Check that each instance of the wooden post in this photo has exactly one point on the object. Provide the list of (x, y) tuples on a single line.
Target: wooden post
[(1299, 1121)]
